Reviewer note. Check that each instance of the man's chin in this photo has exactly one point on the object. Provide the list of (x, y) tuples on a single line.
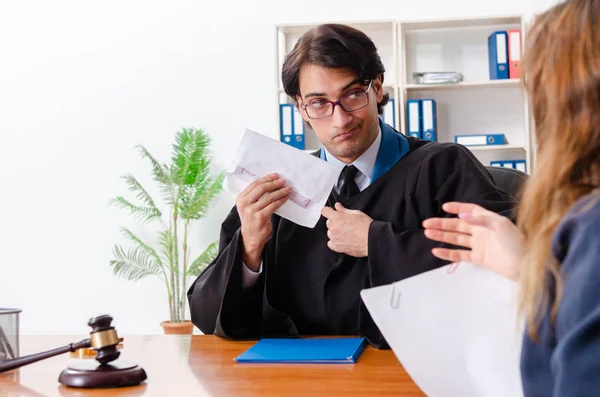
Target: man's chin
[(345, 152)]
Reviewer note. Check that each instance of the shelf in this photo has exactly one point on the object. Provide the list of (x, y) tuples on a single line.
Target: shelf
[(387, 86), (464, 84), (489, 148), (298, 29), (468, 22)]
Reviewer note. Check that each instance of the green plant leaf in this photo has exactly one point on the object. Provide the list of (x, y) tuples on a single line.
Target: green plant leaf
[(165, 240), (203, 260), (134, 264), (161, 174), (129, 234), (190, 156), (142, 194), (200, 201), (143, 214)]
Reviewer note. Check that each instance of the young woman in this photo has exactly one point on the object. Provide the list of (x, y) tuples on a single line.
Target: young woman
[(554, 251)]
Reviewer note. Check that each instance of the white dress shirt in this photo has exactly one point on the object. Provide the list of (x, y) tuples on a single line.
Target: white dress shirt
[(365, 164)]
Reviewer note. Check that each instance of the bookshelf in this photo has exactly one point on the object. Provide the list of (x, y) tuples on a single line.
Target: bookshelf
[(477, 105), (463, 84)]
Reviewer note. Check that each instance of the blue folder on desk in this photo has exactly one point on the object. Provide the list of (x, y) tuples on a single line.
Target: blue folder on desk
[(304, 351)]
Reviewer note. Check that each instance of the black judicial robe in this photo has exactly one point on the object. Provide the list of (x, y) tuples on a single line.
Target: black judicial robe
[(307, 289)]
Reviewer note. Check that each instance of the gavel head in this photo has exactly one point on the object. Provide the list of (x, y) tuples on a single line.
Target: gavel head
[(104, 339)]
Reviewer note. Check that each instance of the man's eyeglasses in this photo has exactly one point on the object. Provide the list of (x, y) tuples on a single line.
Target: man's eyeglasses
[(354, 100)]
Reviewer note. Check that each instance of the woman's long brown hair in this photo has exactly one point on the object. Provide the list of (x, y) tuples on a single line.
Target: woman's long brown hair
[(561, 68)]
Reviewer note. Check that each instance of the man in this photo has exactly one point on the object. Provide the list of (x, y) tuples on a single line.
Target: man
[(273, 277)]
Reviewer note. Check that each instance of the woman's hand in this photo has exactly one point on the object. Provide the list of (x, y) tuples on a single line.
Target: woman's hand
[(494, 241)]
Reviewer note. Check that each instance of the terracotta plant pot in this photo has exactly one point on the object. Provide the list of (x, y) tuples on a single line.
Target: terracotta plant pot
[(185, 328)]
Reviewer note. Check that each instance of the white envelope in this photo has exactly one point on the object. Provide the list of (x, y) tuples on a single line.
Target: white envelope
[(311, 178), (455, 330)]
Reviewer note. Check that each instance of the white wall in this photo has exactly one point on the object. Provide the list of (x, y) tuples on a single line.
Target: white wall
[(81, 83)]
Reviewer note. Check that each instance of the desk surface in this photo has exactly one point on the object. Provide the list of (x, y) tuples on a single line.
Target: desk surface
[(203, 365)]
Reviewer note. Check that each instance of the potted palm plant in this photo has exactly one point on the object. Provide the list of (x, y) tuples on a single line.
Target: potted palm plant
[(188, 190)]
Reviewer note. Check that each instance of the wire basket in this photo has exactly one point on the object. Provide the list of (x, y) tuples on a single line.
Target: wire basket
[(9, 334)]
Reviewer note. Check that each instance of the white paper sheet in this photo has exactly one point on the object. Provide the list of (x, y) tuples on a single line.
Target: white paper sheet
[(455, 330), (310, 177)]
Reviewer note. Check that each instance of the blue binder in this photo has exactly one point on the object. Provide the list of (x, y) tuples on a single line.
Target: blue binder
[(286, 123), (298, 131), (480, 139), (521, 165), (299, 351), (413, 114), (389, 113), (429, 117), (498, 55), (496, 163)]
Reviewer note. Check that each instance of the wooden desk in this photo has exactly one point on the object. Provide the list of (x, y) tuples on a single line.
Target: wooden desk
[(203, 366)]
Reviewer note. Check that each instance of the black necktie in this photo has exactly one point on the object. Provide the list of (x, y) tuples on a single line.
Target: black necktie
[(348, 187)]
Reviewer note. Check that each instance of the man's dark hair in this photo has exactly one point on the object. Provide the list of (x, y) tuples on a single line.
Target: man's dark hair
[(333, 46)]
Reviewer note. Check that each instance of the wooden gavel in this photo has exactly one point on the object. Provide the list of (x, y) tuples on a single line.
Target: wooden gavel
[(103, 338), (86, 373)]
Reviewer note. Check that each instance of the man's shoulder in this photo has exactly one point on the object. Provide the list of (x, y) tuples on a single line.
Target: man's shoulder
[(425, 151), (438, 161), (438, 158)]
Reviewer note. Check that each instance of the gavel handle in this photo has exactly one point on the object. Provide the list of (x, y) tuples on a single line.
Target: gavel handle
[(21, 361)]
